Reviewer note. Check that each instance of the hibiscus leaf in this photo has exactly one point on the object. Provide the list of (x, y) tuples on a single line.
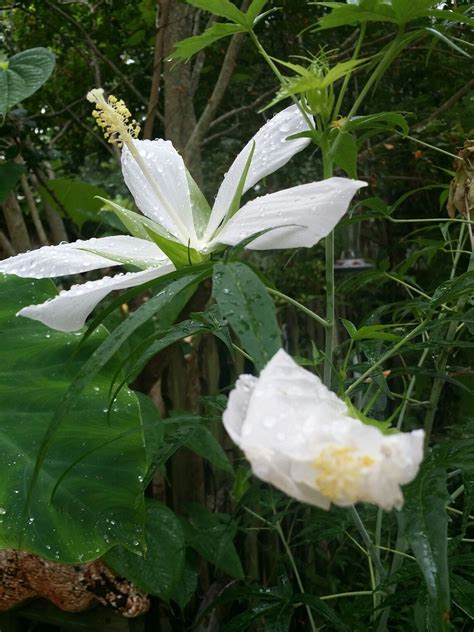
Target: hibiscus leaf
[(160, 571), (186, 48), (425, 523), (344, 152), (212, 535), (133, 222), (222, 8), (246, 305)]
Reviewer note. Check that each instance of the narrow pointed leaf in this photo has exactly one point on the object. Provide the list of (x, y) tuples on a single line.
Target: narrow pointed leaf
[(246, 305)]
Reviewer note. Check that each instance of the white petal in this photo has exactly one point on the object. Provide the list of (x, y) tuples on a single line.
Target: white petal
[(167, 170), (52, 261), (236, 410), (303, 214), (299, 436), (272, 151), (68, 311)]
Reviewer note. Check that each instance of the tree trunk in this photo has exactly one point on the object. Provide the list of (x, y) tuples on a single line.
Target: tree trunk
[(180, 118)]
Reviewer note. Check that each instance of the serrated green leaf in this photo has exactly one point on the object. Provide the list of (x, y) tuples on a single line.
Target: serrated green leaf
[(204, 443), (246, 305), (222, 8), (23, 75), (425, 523), (212, 535), (186, 48), (159, 571)]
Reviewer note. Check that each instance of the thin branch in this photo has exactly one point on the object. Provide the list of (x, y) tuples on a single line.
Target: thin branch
[(220, 87), (453, 99), (162, 8), (243, 108)]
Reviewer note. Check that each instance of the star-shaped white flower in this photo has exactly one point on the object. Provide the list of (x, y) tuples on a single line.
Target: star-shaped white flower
[(300, 437), (176, 212)]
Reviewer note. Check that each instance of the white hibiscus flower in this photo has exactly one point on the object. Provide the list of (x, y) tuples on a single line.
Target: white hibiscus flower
[(300, 437), (177, 223)]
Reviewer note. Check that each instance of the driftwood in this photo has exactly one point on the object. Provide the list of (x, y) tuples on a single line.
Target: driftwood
[(71, 587)]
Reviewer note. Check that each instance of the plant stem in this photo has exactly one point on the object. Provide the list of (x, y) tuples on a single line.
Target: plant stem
[(367, 541), (342, 91), (441, 367), (286, 546), (355, 593), (300, 306), (330, 285), (388, 354)]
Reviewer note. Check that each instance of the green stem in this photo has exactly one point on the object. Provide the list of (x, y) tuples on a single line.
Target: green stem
[(367, 541), (286, 546), (342, 91), (355, 593), (280, 78), (330, 285), (441, 367), (388, 354), (299, 305)]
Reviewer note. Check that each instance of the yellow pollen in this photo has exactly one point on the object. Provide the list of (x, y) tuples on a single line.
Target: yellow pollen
[(339, 472), (113, 117)]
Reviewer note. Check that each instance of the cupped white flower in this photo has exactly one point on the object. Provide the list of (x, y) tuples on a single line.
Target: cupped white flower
[(300, 437)]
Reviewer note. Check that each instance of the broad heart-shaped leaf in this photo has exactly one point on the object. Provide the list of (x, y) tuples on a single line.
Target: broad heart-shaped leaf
[(425, 523), (186, 48), (80, 201), (22, 75), (97, 463), (247, 307), (10, 173), (160, 569)]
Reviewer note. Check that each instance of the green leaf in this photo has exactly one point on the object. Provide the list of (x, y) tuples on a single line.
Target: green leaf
[(169, 301), (222, 8), (133, 222), (10, 173), (212, 535), (204, 443), (246, 305), (343, 14), (200, 206), (186, 48), (377, 123), (159, 571), (463, 594), (98, 502), (80, 201), (425, 522), (22, 75), (345, 153), (254, 9)]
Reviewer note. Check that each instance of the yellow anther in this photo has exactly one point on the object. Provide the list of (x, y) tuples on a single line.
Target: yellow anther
[(339, 472), (113, 117)]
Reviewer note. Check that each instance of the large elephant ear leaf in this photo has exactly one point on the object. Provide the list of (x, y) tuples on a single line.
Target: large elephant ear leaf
[(88, 494), (22, 75)]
